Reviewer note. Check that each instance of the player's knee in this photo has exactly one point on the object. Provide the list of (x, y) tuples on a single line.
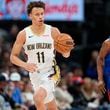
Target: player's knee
[(39, 96)]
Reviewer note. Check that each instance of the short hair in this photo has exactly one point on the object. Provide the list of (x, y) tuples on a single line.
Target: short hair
[(37, 4)]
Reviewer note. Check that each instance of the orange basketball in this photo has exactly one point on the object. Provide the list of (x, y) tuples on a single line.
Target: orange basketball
[(64, 43)]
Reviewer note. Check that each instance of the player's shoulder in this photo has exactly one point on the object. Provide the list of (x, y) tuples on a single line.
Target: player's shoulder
[(23, 31), (107, 42), (55, 30), (21, 35)]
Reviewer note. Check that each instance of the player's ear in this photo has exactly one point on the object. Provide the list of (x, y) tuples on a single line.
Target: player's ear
[(30, 16)]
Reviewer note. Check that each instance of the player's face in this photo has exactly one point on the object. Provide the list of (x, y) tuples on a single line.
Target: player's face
[(37, 16)]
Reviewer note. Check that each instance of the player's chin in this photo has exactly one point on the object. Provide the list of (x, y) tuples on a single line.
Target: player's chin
[(40, 23)]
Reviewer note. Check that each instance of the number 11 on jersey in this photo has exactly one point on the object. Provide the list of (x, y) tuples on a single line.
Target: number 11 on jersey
[(40, 56)]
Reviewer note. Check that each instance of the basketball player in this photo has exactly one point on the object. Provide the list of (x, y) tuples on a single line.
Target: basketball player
[(103, 68), (38, 43)]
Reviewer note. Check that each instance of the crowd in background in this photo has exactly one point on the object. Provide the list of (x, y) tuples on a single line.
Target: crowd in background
[(78, 90)]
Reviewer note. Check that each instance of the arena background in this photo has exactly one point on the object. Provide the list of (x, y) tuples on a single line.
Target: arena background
[(89, 29)]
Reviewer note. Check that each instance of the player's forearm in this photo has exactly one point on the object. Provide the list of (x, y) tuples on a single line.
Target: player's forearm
[(17, 61), (100, 69), (100, 73)]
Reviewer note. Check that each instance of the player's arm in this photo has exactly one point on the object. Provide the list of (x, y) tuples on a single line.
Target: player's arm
[(55, 33), (100, 60), (14, 57), (17, 49)]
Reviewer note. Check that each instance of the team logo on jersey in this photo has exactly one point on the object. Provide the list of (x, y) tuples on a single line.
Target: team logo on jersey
[(39, 46)]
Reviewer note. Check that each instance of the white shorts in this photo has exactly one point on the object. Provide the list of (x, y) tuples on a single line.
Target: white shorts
[(42, 80)]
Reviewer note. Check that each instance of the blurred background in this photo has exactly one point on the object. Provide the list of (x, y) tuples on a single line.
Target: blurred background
[(88, 22)]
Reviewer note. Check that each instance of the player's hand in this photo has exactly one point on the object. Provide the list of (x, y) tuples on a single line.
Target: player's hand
[(101, 86), (66, 55), (31, 67)]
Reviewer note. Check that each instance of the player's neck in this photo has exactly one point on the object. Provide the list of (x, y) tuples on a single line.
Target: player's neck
[(38, 29), (39, 26)]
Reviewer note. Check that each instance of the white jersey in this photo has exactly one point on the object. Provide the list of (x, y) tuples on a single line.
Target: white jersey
[(40, 49)]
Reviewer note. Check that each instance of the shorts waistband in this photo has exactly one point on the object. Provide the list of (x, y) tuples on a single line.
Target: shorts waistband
[(46, 70)]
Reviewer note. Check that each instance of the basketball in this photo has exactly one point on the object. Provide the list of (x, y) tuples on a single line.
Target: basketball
[(64, 43)]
